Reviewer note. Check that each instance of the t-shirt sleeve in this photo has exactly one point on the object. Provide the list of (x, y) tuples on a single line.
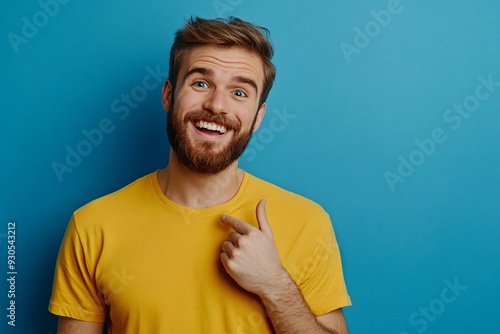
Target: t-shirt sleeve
[(321, 279), (74, 293)]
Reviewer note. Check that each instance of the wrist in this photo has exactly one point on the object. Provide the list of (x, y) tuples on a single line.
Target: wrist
[(280, 286)]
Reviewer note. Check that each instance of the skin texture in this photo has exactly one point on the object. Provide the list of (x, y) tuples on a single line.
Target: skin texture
[(227, 83), (219, 93), (207, 156), (250, 256), (73, 326)]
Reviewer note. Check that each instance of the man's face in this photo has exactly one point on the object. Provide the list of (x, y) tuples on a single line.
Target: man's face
[(214, 108)]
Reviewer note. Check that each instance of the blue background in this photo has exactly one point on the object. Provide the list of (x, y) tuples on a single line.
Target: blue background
[(352, 118)]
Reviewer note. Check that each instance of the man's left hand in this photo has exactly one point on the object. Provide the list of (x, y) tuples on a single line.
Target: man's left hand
[(250, 255)]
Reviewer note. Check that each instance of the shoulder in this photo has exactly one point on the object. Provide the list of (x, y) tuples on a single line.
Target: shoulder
[(285, 203), (275, 192), (118, 201)]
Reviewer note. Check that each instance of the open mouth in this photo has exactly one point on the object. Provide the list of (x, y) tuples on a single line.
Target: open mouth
[(210, 127)]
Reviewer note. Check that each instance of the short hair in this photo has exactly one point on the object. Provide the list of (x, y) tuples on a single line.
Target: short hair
[(225, 33)]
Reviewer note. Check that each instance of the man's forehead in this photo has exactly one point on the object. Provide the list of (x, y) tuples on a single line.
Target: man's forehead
[(232, 59)]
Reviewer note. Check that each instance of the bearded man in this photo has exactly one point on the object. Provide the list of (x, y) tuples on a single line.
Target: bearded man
[(201, 246)]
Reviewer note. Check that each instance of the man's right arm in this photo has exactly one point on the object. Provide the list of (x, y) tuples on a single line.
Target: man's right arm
[(75, 294), (73, 326)]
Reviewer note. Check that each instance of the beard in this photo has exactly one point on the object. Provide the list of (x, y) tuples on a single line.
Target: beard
[(203, 157)]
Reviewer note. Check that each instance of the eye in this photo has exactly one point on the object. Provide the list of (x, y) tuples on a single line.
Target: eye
[(240, 93), (200, 84)]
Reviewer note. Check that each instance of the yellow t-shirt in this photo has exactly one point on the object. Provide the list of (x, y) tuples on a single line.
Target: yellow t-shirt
[(153, 266)]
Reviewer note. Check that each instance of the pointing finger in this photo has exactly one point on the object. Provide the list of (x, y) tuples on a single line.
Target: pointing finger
[(236, 224)]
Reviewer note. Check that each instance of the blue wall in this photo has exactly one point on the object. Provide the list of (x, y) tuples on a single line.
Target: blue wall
[(385, 112)]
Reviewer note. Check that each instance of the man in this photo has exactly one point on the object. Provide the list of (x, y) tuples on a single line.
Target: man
[(201, 246)]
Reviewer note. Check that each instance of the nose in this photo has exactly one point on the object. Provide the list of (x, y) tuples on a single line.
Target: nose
[(216, 102)]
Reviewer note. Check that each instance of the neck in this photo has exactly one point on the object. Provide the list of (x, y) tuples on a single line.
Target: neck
[(194, 190)]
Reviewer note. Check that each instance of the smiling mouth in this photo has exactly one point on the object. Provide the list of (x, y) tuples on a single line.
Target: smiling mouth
[(210, 127)]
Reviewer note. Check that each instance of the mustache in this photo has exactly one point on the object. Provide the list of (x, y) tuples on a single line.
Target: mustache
[(200, 115)]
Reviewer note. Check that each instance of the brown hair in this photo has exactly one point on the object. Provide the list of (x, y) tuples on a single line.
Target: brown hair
[(231, 32)]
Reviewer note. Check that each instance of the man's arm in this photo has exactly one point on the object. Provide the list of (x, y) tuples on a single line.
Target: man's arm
[(251, 258), (290, 313), (73, 326), (334, 319)]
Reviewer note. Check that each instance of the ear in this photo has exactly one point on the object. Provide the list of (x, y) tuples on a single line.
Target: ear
[(260, 116), (166, 95)]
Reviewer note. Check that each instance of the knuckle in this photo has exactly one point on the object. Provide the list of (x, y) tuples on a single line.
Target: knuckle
[(253, 234), (235, 223), (235, 253), (242, 242)]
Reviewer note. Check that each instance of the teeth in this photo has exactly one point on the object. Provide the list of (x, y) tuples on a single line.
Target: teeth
[(211, 126)]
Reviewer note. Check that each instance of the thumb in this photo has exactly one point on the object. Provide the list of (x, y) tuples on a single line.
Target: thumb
[(262, 218)]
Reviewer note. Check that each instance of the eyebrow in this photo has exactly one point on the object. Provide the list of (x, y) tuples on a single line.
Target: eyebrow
[(200, 70), (248, 81), (209, 73)]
